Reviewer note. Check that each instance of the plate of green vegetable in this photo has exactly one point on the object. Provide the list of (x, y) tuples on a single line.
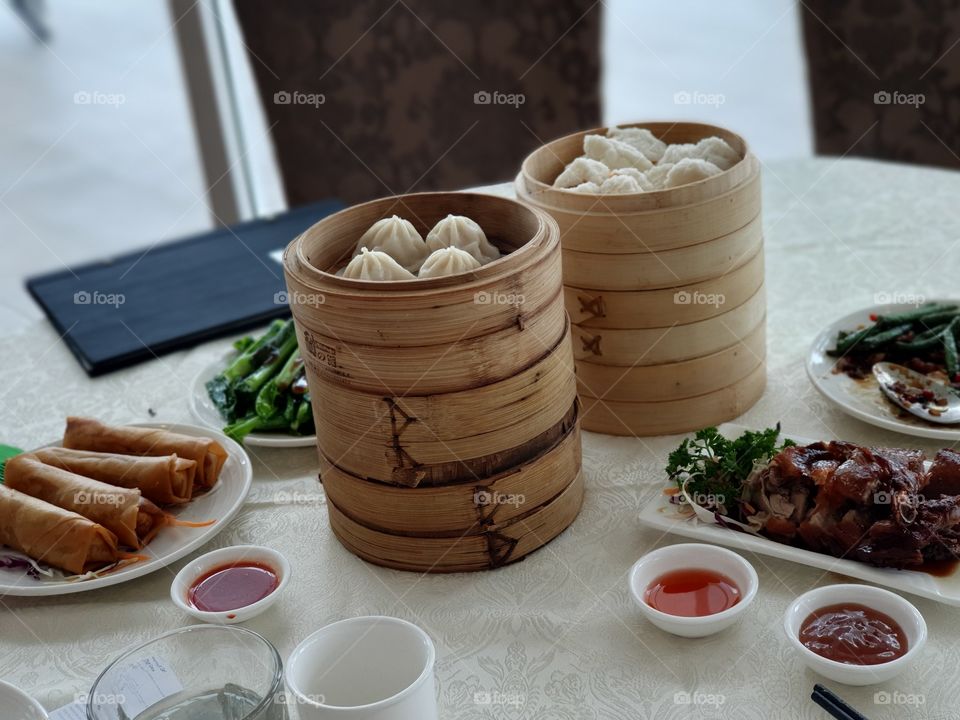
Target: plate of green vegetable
[(258, 394), (923, 337)]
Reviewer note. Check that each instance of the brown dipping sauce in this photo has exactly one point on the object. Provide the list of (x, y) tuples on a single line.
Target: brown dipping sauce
[(692, 592), (853, 634), (230, 587)]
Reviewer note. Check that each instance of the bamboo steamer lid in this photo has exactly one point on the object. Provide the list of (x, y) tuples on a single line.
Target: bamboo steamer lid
[(590, 308), (616, 417)]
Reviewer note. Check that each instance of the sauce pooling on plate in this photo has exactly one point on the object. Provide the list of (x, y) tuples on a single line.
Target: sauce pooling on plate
[(692, 593), (230, 587), (853, 634)]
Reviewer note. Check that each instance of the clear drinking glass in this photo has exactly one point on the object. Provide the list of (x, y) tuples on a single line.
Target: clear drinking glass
[(201, 672)]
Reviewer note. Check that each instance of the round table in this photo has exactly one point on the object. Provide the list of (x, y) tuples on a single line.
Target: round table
[(555, 636)]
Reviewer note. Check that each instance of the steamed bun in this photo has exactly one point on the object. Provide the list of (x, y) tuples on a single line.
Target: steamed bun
[(690, 170), (712, 149), (587, 187), (580, 171), (613, 153), (641, 139), (616, 184), (657, 175)]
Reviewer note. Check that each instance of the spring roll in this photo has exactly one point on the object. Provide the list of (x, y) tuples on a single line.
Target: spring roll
[(117, 509), (90, 434), (54, 536), (166, 480)]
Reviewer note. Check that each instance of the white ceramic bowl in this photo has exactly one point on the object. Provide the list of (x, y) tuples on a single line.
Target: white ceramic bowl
[(364, 668), (906, 615), (17, 705), (693, 556), (192, 571)]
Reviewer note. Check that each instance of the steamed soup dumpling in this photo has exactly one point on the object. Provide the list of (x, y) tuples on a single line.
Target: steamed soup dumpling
[(613, 153), (690, 170), (459, 231), (448, 261), (399, 239), (580, 171), (375, 265), (641, 139)]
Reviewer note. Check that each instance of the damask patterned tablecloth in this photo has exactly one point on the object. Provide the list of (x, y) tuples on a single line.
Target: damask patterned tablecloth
[(557, 635)]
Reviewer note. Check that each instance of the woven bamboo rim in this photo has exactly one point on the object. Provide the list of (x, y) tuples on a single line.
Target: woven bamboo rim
[(542, 166), (666, 268), (664, 307), (391, 438), (601, 230), (675, 416), (673, 381), (656, 346), (436, 311), (465, 508), (498, 545), (424, 369)]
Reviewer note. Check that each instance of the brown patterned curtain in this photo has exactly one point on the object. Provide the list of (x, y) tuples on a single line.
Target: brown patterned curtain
[(375, 97), (885, 78)]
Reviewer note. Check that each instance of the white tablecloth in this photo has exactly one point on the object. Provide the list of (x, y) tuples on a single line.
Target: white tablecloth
[(556, 636)]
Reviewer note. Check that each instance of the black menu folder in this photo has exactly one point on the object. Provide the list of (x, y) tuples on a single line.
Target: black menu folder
[(127, 309)]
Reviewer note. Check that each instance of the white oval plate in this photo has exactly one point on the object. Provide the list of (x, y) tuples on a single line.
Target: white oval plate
[(205, 411), (171, 543), (862, 398), (662, 515)]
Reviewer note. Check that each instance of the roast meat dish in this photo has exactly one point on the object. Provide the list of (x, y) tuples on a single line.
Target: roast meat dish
[(876, 505)]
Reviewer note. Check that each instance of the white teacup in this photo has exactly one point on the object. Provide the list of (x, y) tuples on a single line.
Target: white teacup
[(364, 668)]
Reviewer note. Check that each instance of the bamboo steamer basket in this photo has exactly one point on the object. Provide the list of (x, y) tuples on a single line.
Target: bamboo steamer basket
[(498, 544), (390, 437), (615, 417), (589, 308), (674, 381), (654, 346), (427, 392), (466, 508), (665, 289), (666, 268)]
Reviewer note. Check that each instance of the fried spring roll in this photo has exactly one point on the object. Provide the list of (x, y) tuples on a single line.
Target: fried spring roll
[(54, 536), (90, 434), (117, 509), (166, 480)]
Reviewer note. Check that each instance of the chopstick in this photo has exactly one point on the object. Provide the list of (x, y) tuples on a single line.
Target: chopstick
[(834, 705)]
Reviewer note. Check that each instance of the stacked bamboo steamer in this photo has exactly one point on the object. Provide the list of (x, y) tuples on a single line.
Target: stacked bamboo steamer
[(664, 289), (446, 408)]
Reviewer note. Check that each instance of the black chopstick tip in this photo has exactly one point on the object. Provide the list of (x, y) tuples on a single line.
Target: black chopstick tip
[(834, 705)]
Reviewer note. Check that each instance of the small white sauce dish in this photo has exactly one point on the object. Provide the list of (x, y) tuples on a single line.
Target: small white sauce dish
[(693, 556), (17, 705), (236, 554), (905, 614)]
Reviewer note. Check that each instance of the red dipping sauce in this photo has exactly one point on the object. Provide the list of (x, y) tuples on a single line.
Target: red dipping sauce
[(853, 634), (230, 587), (692, 593)]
